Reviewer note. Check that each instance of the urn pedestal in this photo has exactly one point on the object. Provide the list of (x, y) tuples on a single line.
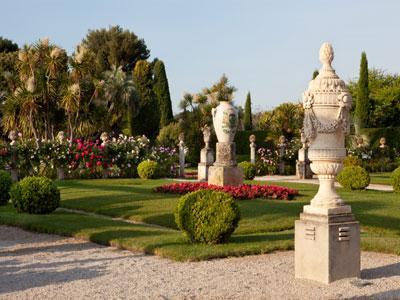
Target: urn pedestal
[(225, 171), (327, 236), (327, 247), (206, 160)]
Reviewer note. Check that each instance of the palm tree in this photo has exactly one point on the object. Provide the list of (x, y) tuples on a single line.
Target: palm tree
[(119, 98)]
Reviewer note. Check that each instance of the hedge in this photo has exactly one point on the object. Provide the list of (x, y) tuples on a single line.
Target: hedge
[(392, 135), (243, 144)]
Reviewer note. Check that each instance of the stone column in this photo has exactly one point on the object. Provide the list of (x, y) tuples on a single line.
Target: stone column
[(225, 171), (303, 170), (327, 236), (253, 145), (206, 156), (181, 156), (61, 140), (13, 136), (105, 139), (282, 147)]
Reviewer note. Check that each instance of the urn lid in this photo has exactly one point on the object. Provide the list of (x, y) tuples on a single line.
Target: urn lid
[(327, 80)]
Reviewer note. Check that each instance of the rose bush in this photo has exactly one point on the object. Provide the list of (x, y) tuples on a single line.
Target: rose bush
[(242, 192)]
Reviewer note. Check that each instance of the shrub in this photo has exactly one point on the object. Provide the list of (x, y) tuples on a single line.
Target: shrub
[(353, 178), (207, 216), (351, 161), (249, 170), (169, 135), (148, 169), (35, 195), (5, 185), (396, 180)]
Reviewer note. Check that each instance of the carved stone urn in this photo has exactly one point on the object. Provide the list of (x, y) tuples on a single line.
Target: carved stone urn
[(327, 236), (225, 171), (326, 103), (225, 120)]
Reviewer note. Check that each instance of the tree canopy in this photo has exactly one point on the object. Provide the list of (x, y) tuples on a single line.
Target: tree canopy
[(7, 45), (248, 119), (161, 90), (115, 46)]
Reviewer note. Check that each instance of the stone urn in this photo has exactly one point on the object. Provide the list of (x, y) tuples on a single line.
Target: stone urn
[(327, 103), (327, 236), (225, 120)]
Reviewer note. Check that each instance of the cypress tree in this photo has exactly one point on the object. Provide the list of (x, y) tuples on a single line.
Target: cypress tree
[(248, 120), (147, 118), (362, 101), (315, 74), (161, 90)]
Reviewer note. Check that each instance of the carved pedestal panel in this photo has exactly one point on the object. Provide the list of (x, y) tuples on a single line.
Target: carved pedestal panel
[(327, 247), (206, 160)]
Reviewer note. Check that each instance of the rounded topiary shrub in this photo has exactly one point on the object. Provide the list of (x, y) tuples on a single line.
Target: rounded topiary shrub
[(35, 195), (249, 169), (148, 169), (5, 185), (353, 178), (207, 216), (396, 180)]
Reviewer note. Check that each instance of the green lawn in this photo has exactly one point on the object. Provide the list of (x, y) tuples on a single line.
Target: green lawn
[(381, 178), (266, 225)]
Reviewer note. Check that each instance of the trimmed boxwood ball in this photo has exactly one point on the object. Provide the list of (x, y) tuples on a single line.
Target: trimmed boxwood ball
[(249, 170), (5, 185), (148, 169), (353, 178), (35, 195), (395, 178), (207, 216)]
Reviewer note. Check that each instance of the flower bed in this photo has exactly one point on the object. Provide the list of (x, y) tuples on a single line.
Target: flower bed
[(242, 192)]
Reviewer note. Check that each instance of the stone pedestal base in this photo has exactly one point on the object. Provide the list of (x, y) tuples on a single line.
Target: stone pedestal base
[(327, 247), (225, 175), (202, 172), (14, 175)]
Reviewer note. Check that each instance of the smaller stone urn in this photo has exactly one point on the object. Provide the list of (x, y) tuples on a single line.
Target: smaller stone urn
[(252, 140), (104, 138), (225, 171), (382, 143), (206, 155)]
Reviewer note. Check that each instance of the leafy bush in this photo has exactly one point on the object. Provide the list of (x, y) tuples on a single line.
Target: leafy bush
[(249, 170), (148, 169), (353, 178), (396, 180), (351, 161), (169, 135), (207, 216), (243, 144), (5, 185), (35, 195)]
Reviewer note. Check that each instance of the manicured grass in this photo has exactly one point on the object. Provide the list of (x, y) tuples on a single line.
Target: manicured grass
[(381, 178), (266, 225), (164, 242), (133, 199)]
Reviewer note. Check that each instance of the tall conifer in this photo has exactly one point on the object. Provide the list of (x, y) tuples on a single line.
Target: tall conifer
[(161, 90), (248, 120), (362, 101)]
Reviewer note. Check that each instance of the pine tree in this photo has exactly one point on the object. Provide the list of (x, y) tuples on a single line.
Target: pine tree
[(315, 74), (362, 101), (248, 122), (161, 90), (147, 119)]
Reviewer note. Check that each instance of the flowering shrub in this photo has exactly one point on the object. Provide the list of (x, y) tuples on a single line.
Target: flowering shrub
[(267, 161), (85, 158), (242, 192)]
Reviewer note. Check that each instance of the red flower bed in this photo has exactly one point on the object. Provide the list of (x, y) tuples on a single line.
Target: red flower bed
[(244, 191)]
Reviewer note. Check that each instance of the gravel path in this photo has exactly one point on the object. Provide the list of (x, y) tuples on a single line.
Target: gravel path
[(41, 266)]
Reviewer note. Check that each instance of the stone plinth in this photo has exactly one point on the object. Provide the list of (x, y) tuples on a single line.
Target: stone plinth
[(225, 171), (327, 247), (206, 160), (225, 175)]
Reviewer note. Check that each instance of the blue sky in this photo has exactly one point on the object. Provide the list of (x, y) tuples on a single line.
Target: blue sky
[(269, 48)]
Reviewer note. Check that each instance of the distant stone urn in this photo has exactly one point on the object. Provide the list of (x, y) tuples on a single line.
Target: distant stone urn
[(225, 120)]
